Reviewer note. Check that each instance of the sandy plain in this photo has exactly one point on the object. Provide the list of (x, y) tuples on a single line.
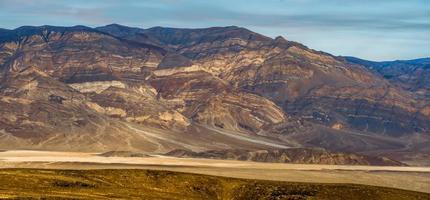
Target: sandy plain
[(408, 178)]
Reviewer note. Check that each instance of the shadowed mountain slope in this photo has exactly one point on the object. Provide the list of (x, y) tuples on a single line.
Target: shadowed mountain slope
[(411, 75)]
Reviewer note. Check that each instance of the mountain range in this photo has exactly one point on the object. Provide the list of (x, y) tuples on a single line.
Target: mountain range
[(160, 89)]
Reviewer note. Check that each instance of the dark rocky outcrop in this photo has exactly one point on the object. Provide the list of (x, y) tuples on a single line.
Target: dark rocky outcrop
[(293, 155), (123, 154)]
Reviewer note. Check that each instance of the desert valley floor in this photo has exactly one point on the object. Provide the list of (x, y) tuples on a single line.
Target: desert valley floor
[(406, 178)]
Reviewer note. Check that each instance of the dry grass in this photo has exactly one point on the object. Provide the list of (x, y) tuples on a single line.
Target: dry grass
[(149, 184)]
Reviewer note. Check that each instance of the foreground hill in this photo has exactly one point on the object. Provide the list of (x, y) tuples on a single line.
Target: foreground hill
[(159, 89), (147, 184)]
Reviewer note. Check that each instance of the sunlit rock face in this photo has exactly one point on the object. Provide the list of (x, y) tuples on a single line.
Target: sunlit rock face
[(212, 101), (37, 109), (200, 85)]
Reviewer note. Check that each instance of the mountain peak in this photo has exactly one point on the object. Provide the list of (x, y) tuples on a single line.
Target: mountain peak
[(115, 24), (280, 39), (23, 31), (184, 36), (51, 28), (118, 26)]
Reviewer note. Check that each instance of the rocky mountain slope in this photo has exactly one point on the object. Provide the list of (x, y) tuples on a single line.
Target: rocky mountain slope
[(411, 75), (330, 103), (198, 89), (39, 112)]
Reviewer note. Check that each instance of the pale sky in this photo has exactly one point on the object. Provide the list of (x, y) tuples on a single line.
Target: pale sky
[(369, 29)]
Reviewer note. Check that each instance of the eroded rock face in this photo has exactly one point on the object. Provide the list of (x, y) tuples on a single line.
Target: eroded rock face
[(211, 101), (40, 112), (37, 107), (240, 111), (138, 104)]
